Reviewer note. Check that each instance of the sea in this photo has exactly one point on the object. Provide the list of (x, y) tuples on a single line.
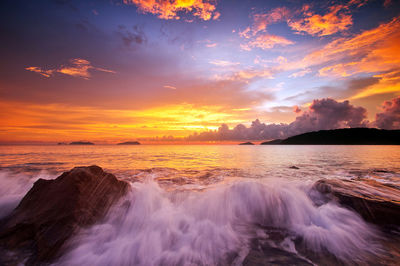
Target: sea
[(217, 204)]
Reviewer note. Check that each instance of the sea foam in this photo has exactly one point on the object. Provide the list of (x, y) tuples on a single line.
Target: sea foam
[(154, 226)]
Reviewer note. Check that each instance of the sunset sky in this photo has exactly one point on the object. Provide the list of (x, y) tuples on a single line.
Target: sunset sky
[(117, 70)]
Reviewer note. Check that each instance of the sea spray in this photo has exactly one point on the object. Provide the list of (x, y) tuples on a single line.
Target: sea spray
[(154, 226), (13, 187)]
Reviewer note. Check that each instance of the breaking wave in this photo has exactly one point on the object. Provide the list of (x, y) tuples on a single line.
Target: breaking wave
[(13, 188), (214, 226)]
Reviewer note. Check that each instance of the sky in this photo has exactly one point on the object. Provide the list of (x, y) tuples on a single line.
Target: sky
[(195, 70)]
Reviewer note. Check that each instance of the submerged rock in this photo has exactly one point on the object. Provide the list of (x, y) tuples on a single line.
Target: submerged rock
[(53, 210), (376, 202)]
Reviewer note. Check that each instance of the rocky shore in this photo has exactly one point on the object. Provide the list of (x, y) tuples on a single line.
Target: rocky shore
[(54, 210), (37, 231)]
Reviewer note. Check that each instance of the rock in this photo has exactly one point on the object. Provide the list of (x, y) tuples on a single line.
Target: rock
[(294, 167), (81, 143), (129, 143), (53, 210), (246, 143), (263, 253), (273, 256), (376, 202)]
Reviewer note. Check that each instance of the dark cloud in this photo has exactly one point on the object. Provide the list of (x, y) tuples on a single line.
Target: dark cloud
[(329, 113), (361, 83), (131, 37), (322, 114), (390, 117), (344, 90)]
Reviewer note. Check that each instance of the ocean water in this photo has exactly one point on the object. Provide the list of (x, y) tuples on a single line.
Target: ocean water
[(216, 204)]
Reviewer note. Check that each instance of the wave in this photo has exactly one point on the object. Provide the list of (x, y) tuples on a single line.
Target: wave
[(13, 188), (155, 226)]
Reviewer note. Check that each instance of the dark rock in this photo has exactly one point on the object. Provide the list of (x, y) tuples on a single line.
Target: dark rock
[(246, 143), (376, 202), (81, 143), (272, 142), (294, 167), (53, 210), (264, 252), (273, 256), (129, 143)]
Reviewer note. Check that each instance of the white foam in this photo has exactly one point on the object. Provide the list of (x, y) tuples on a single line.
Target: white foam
[(13, 188), (152, 226)]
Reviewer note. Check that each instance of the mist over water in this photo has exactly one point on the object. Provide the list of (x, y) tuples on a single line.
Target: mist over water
[(195, 205)]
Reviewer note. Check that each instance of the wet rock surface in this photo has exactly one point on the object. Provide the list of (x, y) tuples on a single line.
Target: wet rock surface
[(53, 210), (376, 202)]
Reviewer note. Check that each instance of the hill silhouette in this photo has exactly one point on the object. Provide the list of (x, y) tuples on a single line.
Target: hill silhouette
[(346, 136)]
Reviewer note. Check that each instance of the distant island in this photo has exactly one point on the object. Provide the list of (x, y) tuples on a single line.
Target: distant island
[(81, 143), (246, 143), (129, 143), (344, 136)]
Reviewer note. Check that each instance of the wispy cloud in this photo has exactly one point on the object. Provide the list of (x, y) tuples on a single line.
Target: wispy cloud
[(300, 73), (169, 87), (247, 74), (266, 41), (77, 67), (45, 73), (223, 63), (211, 45), (169, 9)]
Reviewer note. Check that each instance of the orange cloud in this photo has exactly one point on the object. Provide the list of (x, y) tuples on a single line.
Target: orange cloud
[(375, 48), (76, 68), (168, 9), (375, 51), (45, 73), (336, 20), (257, 33)]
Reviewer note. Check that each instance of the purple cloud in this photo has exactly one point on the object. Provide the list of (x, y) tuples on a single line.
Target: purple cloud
[(323, 114), (390, 117)]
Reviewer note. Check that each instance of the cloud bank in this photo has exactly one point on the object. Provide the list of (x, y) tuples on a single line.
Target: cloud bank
[(322, 114)]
